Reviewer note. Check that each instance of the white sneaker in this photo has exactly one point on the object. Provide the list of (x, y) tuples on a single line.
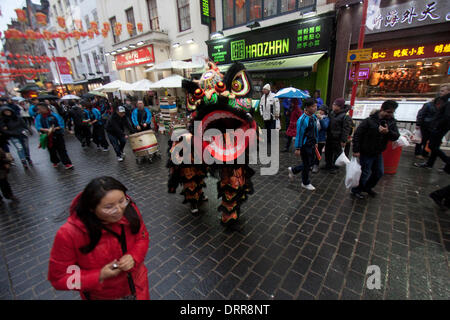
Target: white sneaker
[(291, 174), (315, 168), (309, 187), (120, 159)]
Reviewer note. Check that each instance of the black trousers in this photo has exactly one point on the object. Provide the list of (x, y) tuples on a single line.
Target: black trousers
[(435, 144), (420, 147), (118, 143), (444, 194), (83, 134), (308, 155), (6, 189), (332, 151), (58, 152), (99, 137), (269, 124)]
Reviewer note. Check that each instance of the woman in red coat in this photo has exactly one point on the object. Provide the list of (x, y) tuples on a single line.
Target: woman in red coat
[(100, 250), (291, 132)]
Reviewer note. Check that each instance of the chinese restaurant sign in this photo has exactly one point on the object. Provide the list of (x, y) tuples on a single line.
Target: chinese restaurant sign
[(282, 40), (135, 57), (204, 12), (412, 52), (382, 18), (65, 71), (363, 74)]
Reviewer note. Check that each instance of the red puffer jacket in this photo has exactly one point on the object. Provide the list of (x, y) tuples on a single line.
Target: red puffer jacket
[(292, 129), (65, 252)]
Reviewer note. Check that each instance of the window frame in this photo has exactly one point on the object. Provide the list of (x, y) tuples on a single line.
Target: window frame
[(188, 5), (155, 8), (131, 9), (263, 3), (116, 38)]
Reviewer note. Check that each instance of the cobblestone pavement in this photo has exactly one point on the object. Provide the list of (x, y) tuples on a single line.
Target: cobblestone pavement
[(290, 243)]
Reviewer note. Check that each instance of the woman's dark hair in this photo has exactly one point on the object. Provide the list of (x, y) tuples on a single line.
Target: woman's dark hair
[(89, 200)]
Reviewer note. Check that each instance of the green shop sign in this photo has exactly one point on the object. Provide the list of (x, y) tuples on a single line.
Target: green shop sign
[(204, 12), (293, 38)]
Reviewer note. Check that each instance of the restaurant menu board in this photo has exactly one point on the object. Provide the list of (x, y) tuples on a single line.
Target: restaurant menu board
[(406, 111)]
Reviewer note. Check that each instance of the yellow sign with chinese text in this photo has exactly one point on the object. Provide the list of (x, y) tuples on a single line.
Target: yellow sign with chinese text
[(359, 55)]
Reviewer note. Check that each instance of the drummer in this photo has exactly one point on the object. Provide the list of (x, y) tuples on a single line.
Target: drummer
[(141, 117)]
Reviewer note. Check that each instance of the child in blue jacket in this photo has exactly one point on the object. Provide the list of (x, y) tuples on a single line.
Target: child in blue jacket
[(306, 142)]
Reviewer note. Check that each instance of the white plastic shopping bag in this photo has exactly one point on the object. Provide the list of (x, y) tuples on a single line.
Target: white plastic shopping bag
[(353, 173), (417, 136), (342, 160), (278, 124), (400, 142)]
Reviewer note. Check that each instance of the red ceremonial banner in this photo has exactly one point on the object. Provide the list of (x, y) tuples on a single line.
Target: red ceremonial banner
[(135, 57)]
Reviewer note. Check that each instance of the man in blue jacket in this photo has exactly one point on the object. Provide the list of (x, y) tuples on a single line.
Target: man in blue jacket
[(306, 142), (98, 128), (52, 124), (141, 117)]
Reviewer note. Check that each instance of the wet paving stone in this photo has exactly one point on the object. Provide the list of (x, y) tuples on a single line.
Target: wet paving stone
[(289, 244)]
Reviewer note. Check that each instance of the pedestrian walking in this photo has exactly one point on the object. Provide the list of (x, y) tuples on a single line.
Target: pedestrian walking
[(291, 131), (105, 240), (338, 132), (15, 129), (439, 128), (324, 121), (33, 109), (51, 127), (25, 115), (98, 128), (318, 98), (269, 108), (5, 187), (306, 142), (369, 142), (115, 127), (141, 117), (81, 123), (424, 119)]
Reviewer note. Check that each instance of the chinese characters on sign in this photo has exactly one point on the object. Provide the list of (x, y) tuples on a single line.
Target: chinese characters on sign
[(135, 57), (407, 15), (416, 52)]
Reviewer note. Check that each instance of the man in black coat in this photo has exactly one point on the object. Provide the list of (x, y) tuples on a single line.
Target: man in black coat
[(115, 127), (81, 124), (439, 128), (337, 133), (369, 141)]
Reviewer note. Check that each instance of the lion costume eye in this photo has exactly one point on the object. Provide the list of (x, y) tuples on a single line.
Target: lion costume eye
[(240, 86), (191, 103)]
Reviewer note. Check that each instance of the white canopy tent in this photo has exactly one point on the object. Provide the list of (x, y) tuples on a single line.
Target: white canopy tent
[(141, 85), (169, 82), (117, 85)]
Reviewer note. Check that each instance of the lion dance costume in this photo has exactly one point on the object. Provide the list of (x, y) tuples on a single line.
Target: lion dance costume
[(218, 102)]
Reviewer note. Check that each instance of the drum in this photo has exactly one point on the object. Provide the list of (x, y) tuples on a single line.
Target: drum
[(144, 143)]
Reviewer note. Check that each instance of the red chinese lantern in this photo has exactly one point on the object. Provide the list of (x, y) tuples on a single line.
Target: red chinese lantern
[(41, 18), (76, 34), (16, 61), (62, 35), (18, 55), (94, 25), (105, 33), (47, 35), (130, 28), (118, 29), (84, 34), (21, 15), (90, 34), (106, 26), (140, 27), (2, 54), (31, 34), (61, 22), (78, 24)]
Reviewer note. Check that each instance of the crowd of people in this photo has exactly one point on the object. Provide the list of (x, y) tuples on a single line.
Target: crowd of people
[(316, 127), (90, 120)]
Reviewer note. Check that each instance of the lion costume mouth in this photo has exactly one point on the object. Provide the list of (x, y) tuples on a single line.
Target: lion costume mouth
[(233, 135)]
